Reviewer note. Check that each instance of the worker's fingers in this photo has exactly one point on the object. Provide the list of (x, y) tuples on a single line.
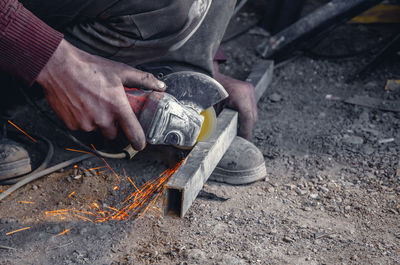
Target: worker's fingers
[(246, 123), (108, 128), (109, 132), (131, 127), (134, 78)]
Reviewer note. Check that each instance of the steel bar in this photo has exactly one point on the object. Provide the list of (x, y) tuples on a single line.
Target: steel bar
[(184, 186), (325, 18), (261, 77), (187, 182)]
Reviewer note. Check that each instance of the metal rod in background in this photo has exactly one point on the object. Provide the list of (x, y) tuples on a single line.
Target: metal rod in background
[(325, 18), (238, 7)]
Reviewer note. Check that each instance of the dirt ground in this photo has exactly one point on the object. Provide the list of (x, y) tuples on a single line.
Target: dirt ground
[(331, 195)]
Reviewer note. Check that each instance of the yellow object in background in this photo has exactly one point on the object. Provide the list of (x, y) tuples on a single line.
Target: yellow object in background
[(379, 14), (392, 85)]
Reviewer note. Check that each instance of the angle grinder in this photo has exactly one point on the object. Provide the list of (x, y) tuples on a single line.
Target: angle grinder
[(181, 116)]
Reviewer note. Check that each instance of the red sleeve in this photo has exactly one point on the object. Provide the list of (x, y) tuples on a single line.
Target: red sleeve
[(26, 42)]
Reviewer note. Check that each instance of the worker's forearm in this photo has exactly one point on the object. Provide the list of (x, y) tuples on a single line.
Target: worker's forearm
[(26, 42)]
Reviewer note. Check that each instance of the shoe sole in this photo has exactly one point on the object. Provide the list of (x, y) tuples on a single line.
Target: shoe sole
[(239, 177), (15, 169)]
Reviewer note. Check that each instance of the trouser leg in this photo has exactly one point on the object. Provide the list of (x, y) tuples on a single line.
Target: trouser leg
[(129, 31), (139, 31), (198, 53)]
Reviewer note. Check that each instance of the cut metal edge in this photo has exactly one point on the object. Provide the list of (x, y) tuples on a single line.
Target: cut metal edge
[(181, 189)]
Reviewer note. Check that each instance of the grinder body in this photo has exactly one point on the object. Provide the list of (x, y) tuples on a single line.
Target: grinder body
[(164, 119)]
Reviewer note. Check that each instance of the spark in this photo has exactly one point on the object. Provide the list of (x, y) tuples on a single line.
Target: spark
[(140, 201), (108, 166), (94, 168), (112, 208), (64, 232), (19, 129), (133, 184), (78, 151), (18, 230), (112, 170), (72, 193), (26, 202)]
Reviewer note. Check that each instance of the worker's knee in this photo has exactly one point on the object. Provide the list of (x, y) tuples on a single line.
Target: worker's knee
[(150, 20)]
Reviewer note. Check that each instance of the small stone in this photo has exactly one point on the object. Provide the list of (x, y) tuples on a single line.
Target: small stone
[(355, 140), (77, 177), (287, 239), (290, 186), (347, 208), (354, 258), (314, 196), (83, 231), (386, 141), (271, 189), (228, 259), (368, 150), (172, 253), (324, 190), (275, 97), (34, 187), (301, 192), (195, 254)]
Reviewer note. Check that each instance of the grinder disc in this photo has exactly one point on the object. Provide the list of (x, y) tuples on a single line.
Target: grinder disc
[(209, 124)]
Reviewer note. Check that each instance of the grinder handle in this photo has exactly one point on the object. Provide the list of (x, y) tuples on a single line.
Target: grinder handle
[(137, 99)]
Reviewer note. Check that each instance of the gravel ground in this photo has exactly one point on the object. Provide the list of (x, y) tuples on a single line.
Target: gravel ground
[(331, 195)]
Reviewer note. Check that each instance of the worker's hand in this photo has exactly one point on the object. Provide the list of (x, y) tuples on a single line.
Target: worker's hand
[(242, 99), (87, 92)]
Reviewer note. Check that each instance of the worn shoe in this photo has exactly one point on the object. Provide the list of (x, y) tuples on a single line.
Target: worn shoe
[(243, 163), (14, 159)]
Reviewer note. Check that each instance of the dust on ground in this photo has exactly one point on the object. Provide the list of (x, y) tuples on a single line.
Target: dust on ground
[(331, 195)]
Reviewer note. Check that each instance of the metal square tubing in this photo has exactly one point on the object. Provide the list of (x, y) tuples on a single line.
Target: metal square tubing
[(186, 183)]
